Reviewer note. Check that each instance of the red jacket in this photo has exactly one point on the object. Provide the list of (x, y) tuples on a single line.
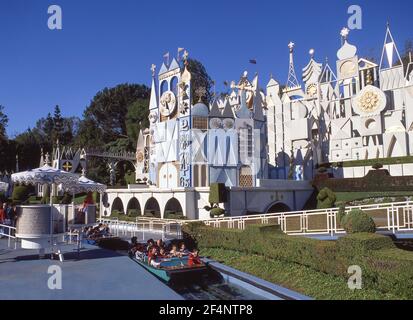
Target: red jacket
[(192, 260), (2, 215)]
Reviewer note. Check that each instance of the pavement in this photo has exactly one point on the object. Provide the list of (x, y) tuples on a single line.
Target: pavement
[(95, 274)]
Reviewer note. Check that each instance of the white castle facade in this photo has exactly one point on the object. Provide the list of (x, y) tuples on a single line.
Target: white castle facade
[(266, 144)]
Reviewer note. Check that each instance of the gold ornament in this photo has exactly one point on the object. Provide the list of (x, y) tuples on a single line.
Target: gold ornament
[(139, 156), (369, 101), (312, 90)]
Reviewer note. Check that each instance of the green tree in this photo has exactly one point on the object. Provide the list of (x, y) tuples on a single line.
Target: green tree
[(105, 117), (3, 124), (200, 79), (137, 119), (58, 125)]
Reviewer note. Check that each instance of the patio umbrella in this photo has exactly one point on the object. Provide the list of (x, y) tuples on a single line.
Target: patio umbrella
[(45, 175), (84, 184)]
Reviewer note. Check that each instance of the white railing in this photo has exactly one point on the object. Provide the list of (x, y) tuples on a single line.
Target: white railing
[(10, 233), (394, 217), (134, 228)]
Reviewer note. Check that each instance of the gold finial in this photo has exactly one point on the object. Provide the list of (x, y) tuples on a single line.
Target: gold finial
[(153, 68)]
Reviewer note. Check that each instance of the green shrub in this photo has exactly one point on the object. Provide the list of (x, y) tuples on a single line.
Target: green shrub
[(264, 228), (20, 194), (357, 221), (67, 198), (385, 268), (216, 212), (363, 243), (217, 193), (341, 214), (133, 213), (326, 199)]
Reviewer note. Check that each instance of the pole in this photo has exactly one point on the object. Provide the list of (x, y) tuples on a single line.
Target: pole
[(73, 207), (100, 205), (51, 218)]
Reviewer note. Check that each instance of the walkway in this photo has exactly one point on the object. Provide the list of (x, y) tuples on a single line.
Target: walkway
[(98, 274)]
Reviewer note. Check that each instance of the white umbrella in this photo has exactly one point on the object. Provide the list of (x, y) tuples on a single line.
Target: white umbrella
[(84, 185), (45, 175), (4, 186)]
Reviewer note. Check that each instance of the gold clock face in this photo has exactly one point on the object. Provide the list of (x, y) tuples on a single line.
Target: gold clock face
[(168, 103), (347, 69), (139, 157)]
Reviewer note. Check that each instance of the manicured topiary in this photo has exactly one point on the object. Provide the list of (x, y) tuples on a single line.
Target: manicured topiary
[(326, 199), (357, 221), (20, 194), (377, 166), (217, 193), (216, 212)]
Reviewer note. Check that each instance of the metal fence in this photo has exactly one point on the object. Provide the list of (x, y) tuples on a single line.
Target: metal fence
[(139, 228), (392, 217)]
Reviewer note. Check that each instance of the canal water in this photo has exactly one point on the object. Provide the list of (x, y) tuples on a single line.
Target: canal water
[(213, 286)]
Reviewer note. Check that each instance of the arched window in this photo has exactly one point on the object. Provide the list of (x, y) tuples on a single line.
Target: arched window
[(173, 85), (163, 87)]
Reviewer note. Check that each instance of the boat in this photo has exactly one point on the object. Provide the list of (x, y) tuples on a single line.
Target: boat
[(171, 269)]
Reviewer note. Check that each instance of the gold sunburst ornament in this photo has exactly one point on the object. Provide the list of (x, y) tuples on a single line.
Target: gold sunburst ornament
[(369, 101)]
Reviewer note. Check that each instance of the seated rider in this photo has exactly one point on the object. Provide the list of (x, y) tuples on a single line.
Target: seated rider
[(160, 243), (152, 255), (162, 253), (182, 250), (194, 258), (174, 251)]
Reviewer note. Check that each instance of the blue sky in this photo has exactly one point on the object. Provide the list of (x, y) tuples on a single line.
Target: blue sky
[(107, 42)]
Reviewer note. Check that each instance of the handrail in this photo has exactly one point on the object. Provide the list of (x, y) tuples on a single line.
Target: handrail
[(9, 234)]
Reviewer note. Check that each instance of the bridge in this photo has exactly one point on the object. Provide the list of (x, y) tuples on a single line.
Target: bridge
[(122, 155)]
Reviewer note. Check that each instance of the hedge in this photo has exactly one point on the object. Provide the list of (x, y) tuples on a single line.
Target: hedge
[(384, 267), (20, 194)]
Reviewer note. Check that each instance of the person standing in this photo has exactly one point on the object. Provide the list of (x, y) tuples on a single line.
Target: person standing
[(2, 218)]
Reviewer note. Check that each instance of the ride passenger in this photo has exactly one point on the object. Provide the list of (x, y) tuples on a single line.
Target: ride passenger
[(182, 250), (160, 243), (149, 244), (162, 253), (194, 258), (174, 251), (152, 255)]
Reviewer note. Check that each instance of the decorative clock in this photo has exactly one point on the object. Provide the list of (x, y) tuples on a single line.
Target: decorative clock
[(168, 103)]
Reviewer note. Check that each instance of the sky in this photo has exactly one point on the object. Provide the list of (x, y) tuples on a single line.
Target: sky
[(107, 42)]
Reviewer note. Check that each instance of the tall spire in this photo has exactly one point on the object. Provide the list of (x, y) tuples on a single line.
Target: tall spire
[(389, 48), (292, 81), (153, 103)]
